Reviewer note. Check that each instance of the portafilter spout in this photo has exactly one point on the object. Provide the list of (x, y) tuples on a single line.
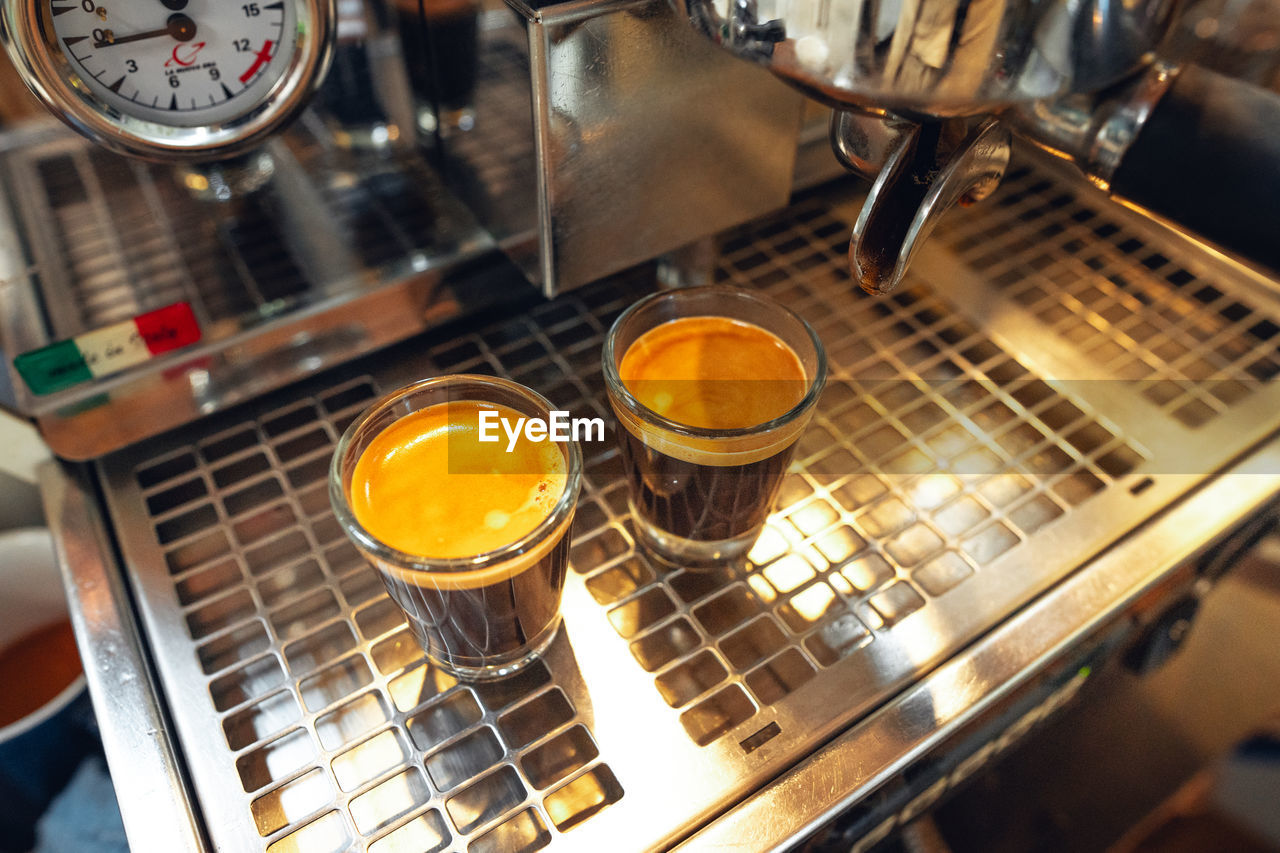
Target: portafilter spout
[(1189, 146), (918, 171)]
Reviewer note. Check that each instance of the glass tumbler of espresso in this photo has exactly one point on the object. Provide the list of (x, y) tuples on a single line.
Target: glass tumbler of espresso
[(712, 387), (440, 40), (469, 535)]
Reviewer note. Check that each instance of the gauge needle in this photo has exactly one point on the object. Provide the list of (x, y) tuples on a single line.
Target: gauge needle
[(179, 26)]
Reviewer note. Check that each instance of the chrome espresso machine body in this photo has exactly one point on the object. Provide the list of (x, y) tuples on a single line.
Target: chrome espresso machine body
[(1039, 450)]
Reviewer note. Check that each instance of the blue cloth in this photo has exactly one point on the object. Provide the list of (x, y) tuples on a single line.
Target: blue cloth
[(84, 818), (37, 764), (55, 793)]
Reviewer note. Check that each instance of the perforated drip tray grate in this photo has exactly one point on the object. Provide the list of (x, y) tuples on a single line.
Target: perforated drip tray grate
[(961, 461), (110, 240), (1191, 346)]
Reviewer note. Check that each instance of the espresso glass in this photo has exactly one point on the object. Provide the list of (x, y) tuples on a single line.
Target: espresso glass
[(441, 46), (700, 497), (479, 616)]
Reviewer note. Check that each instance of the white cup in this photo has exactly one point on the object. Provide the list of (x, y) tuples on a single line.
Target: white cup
[(31, 597)]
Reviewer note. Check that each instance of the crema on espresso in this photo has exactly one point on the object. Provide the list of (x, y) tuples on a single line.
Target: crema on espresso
[(428, 487)]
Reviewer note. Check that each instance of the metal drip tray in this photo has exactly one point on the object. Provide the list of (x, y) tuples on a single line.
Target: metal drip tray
[(271, 277), (1050, 379)]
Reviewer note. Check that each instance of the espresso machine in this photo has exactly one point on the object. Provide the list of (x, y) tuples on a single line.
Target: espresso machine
[(1048, 429)]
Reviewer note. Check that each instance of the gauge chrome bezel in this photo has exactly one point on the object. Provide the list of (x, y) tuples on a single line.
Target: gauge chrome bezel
[(26, 28)]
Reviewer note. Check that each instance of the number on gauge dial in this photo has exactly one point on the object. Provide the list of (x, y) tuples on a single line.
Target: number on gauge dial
[(177, 62)]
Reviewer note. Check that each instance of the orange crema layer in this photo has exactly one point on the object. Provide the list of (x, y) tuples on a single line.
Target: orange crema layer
[(427, 486), (713, 373)]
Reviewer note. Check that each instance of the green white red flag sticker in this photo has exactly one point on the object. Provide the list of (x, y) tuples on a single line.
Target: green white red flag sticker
[(108, 350)]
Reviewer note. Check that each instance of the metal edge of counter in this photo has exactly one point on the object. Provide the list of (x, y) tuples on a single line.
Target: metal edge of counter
[(841, 774), (153, 795)]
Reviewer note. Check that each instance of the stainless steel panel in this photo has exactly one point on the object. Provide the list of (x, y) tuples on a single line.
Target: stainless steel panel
[(640, 139), (90, 240), (941, 60), (494, 167), (976, 447), (344, 251)]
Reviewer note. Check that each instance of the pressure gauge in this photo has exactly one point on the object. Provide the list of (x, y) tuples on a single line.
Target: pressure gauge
[(171, 79)]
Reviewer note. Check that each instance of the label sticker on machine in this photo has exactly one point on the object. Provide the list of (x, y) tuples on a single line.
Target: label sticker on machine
[(108, 350)]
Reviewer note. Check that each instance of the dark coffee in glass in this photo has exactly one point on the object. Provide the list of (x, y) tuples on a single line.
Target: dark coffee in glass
[(474, 624), (470, 536), (702, 502), (440, 43), (712, 388)]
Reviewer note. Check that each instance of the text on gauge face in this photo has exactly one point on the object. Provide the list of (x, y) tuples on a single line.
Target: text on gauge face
[(560, 426)]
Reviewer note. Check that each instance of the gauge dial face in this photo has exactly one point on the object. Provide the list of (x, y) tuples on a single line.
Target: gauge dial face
[(182, 63)]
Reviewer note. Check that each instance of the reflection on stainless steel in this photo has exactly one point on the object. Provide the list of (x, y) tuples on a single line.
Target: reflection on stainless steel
[(879, 748), (358, 249), (146, 772), (922, 178), (995, 439), (643, 140), (1094, 131), (932, 60), (937, 57), (365, 100), (1239, 39), (864, 141), (95, 240)]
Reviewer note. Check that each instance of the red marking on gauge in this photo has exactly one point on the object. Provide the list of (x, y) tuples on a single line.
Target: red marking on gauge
[(189, 52), (262, 58)]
